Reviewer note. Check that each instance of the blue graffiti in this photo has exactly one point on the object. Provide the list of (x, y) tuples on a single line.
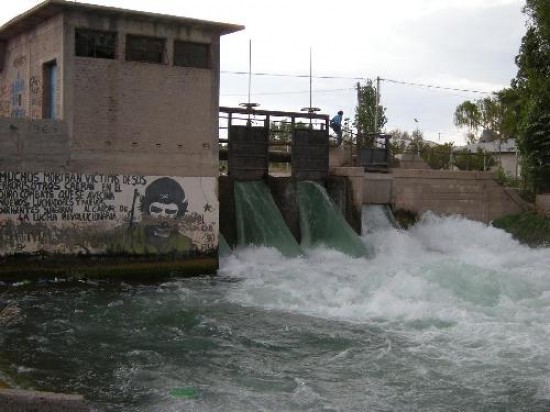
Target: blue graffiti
[(17, 89)]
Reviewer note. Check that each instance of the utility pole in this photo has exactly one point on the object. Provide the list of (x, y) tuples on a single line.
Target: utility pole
[(376, 102), (417, 138), (310, 109), (248, 105), (359, 131)]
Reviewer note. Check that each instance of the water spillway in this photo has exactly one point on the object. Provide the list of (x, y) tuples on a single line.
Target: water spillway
[(223, 247), (377, 217), (259, 221), (321, 223)]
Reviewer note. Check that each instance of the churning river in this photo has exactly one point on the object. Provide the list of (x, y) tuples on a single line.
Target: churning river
[(451, 315)]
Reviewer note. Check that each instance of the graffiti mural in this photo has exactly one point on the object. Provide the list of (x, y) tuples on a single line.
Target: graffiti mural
[(100, 213), (5, 97), (17, 90), (35, 87)]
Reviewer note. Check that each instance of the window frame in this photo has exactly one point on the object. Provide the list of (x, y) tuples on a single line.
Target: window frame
[(133, 54), (94, 46), (191, 62)]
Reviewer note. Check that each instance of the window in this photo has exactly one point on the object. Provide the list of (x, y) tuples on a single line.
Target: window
[(189, 54), (145, 49), (94, 43), (49, 71)]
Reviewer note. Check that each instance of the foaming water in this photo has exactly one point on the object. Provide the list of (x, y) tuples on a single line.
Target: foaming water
[(449, 315), (467, 304), (447, 268)]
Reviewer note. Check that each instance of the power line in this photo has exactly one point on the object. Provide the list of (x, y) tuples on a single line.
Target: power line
[(294, 75), (429, 86), (288, 92), (433, 86)]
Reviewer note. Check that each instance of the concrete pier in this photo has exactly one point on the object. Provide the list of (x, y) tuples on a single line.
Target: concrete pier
[(16, 400)]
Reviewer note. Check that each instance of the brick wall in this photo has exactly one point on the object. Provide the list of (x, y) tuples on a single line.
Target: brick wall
[(146, 118), (36, 145), (21, 80)]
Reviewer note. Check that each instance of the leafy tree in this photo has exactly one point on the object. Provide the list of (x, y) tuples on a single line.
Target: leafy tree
[(467, 114), (417, 141), (497, 114), (465, 160), (532, 84), (438, 157), (370, 116), (281, 132), (399, 141), (347, 131)]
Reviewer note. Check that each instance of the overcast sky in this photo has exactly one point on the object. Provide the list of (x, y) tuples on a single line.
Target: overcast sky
[(456, 44)]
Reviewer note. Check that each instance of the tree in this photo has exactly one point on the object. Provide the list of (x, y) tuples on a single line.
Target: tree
[(281, 132), (370, 116), (532, 83), (417, 142), (399, 141), (497, 113), (467, 115), (465, 160), (438, 157)]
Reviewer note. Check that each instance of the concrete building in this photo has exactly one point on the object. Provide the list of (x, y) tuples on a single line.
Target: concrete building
[(504, 153), (108, 136)]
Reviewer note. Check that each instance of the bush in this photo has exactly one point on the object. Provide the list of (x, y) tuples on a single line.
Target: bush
[(528, 228)]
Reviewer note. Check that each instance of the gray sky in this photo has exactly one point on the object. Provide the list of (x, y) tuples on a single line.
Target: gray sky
[(456, 44)]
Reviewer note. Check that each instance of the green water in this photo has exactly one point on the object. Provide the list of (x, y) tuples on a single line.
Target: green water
[(223, 247), (259, 221), (322, 224)]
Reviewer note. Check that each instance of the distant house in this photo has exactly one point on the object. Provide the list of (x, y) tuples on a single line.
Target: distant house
[(504, 153), (109, 132)]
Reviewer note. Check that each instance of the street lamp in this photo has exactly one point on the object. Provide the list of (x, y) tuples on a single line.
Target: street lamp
[(417, 138)]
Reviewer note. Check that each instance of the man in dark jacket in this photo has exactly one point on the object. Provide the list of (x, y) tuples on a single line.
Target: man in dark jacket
[(336, 125)]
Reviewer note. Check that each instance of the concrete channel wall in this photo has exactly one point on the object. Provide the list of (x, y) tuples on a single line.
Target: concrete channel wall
[(62, 216), (474, 195)]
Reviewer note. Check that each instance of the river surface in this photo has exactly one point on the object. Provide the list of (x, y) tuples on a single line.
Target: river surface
[(451, 315)]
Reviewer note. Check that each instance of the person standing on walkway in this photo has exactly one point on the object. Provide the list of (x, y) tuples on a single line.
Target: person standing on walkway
[(336, 125)]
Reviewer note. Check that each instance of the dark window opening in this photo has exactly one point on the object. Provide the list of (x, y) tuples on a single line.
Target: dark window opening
[(94, 43), (145, 49), (49, 97), (189, 54)]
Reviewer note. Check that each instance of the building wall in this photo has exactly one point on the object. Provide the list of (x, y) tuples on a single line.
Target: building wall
[(159, 114), (103, 214), (21, 80), (128, 131), (510, 164), (33, 145)]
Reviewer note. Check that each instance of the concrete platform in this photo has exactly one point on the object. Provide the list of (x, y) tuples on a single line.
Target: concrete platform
[(16, 400)]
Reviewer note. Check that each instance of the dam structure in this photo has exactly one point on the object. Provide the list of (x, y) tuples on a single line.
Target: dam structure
[(116, 159), (276, 190)]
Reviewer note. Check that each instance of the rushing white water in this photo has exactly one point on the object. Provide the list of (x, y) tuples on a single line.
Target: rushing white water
[(450, 269), (377, 217), (449, 315), (466, 297)]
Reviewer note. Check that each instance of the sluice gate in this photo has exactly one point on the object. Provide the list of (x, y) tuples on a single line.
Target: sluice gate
[(267, 157), (252, 139)]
